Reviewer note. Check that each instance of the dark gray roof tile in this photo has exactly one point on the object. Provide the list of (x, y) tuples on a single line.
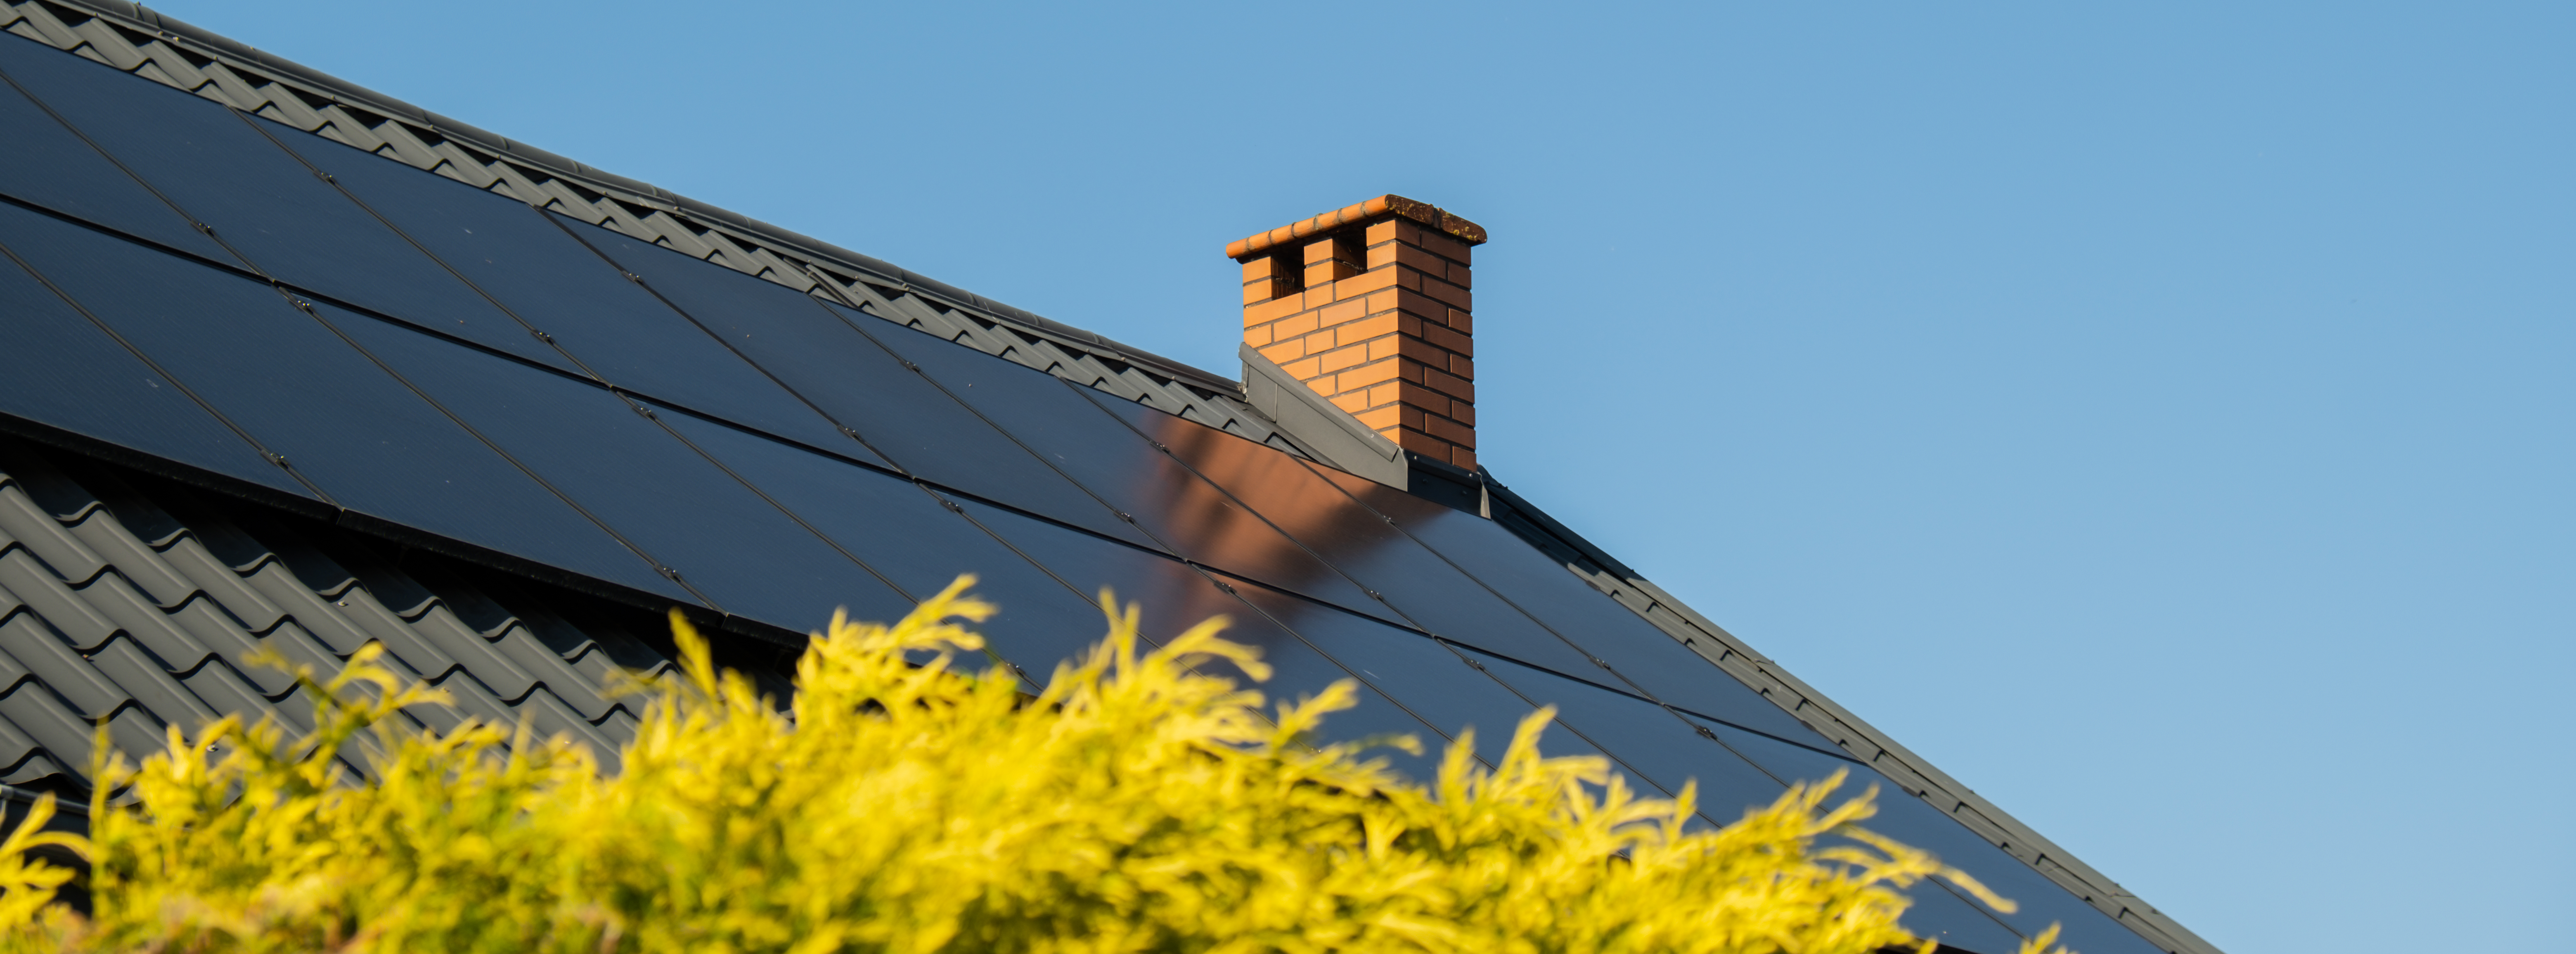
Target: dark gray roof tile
[(60, 670), (137, 616), (36, 586), (22, 521), (142, 679)]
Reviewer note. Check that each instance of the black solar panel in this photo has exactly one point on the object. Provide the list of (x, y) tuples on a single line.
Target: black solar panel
[(612, 326), (1642, 654), (743, 553), (62, 371), (908, 536), (296, 387), (260, 200), (1415, 582), (1182, 512), (46, 164)]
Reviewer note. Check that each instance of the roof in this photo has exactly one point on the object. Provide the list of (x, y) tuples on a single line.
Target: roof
[(493, 409)]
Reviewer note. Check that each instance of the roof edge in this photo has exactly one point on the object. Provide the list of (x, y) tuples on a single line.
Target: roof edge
[(1866, 742), (174, 30)]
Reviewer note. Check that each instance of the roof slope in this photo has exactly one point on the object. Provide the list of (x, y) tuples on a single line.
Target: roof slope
[(623, 394)]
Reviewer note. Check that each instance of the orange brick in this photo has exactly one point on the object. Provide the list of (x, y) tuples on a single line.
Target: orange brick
[(1379, 418), (1257, 335), (1443, 246), (1354, 402), (1305, 370), (1405, 255), (1462, 366), (1284, 352), (1448, 339), (1376, 372), (1363, 329), (1325, 272), (1386, 347), (1360, 285), (1449, 430), (1272, 310), (1260, 270), (1455, 296), (1380, 233), (1256, 293), (1293, 326), (1318, 342), (1421, 443), (1449, 384), (1350, 357), (1341, 311), (1319, 252)]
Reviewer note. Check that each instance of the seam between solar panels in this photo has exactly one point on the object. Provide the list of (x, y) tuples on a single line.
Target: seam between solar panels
[(193, 221), (279, 460), (846, 430), (997, 428), (1345, 574), (658, 566), (346, 193), (836, 546)]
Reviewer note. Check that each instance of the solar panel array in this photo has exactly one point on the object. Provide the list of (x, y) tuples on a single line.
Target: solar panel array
[(297, 321)]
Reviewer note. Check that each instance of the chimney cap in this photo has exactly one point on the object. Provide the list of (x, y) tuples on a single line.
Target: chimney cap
[(1423, 212)]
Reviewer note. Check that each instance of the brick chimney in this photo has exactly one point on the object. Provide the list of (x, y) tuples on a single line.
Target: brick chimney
[(1368, 305)]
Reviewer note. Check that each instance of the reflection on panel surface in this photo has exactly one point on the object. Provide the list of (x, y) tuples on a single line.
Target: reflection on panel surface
[(614, 327), (1634, 648), (623, 468), (58, 369), (363, 437), (42, 162), (905, 535), (259, 199), (1051, 418), (1414, 580)]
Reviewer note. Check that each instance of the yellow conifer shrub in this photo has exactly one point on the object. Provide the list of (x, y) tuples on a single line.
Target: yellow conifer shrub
[(1135, 805)]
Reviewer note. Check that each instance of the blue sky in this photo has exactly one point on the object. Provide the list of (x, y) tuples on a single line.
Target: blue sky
[(2160, 419)]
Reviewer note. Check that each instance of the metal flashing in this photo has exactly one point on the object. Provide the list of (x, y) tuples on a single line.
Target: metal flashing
[(1324, 430)]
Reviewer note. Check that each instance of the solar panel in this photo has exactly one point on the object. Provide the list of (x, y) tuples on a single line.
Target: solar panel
[(262, 202), (747, 556), (1186, 514), (908, 536), (296, 387), (612, 326), (1539, 586), (1909, 820), (45, 164), (1415, 581), (62, 371), (856, 382), (1657, 744)]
